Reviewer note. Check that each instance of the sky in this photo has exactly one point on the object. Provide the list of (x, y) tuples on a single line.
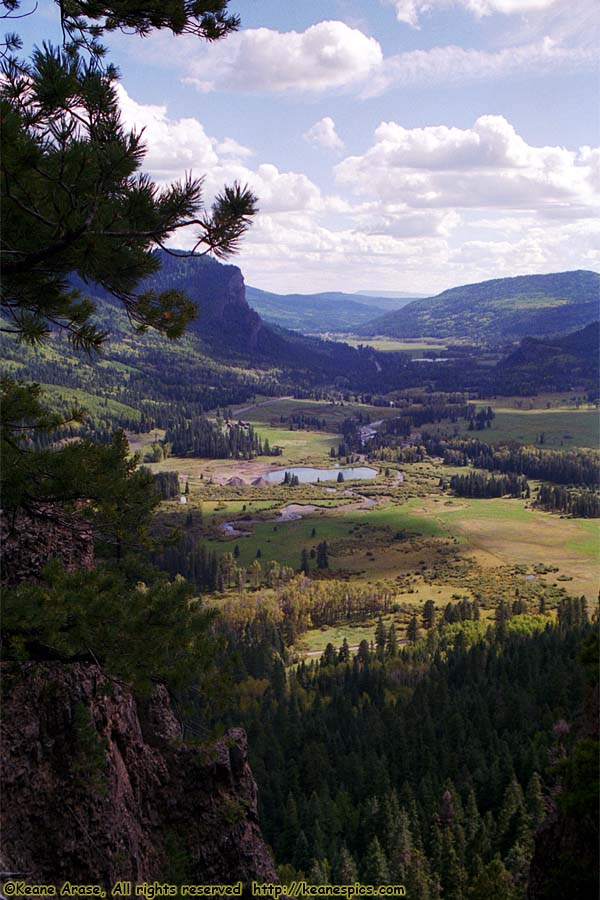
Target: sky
[(397, 145)]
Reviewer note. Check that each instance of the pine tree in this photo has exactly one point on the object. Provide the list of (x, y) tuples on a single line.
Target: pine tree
[(428, 617), (380, 638), (347, 872), (412, 632), (494, 881), (534, 800), (322, 555), (304, 564), (392, 641), (73, 198), (344, 652), (375, 865)]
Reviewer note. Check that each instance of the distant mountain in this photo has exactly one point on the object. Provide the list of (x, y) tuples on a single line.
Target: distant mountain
[(505, 309), (550, 364), (392, 295), (330, 311), (229, 331)]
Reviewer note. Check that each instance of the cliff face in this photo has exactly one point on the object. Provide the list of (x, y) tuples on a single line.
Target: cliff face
[(98, 786), (225, 319)]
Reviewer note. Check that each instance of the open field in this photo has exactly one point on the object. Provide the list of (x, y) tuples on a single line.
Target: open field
[(422, 543), (392, 345), (334, 413), (405, 538), (564, 400), (560, 429), (96, 406), (501, 532), (556, 429)]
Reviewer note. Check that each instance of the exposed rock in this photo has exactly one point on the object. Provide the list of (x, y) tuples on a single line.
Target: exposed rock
[(99, 787), (236, 481), (30, 541), (260, 482)]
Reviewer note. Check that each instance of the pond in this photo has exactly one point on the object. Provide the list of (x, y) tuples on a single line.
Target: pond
[(310, 475)]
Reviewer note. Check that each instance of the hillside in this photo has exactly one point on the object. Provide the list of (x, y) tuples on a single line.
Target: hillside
[(504, 309), (318, 313), (549, 365), (390, 295), (228, 355)]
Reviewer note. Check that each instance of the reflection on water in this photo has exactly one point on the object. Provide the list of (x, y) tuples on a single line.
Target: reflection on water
[(310, 475)]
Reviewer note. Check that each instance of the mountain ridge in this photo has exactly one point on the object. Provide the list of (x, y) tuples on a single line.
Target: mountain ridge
[(498, 310), (328, 311)]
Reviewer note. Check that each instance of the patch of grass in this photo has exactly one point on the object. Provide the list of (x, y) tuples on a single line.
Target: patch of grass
[(96, 406), (556, 429), (391, 345)]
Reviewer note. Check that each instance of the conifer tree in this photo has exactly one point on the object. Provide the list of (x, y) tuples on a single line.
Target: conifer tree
[(375, 866), (412, 632), (347, 872)]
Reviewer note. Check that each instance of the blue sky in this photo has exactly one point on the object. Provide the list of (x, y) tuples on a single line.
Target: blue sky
[(394, 144)]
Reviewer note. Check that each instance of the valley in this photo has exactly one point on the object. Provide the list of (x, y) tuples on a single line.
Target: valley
[(408, 534), (299, 450), (346, 524)]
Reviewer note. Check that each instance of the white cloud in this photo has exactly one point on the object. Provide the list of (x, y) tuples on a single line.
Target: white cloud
[(332, 56), (174, 145), (231, 148), (421, 210), (485, 167), (535, 248), (323, 134), (410, 11), (452, 64), (328, 55)]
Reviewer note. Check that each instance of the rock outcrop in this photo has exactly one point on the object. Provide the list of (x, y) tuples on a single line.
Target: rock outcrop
[(99, 787), (30, 541)]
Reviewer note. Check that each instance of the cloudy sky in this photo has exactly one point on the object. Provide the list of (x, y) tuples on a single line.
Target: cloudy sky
[(406, 145)]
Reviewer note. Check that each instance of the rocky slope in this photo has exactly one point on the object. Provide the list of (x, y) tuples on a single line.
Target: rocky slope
[(29, 541), (99, 787)]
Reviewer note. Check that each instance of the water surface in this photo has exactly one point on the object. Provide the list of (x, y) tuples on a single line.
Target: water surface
[(310, 475)]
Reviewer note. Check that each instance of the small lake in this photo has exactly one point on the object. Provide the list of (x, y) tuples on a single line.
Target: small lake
[(310, 475)]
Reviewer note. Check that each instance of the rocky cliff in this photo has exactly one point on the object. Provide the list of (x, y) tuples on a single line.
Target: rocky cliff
[(30, 540), (98, 786)]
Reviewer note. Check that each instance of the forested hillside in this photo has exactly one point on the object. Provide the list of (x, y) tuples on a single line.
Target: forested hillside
[(500, 310), (318, 313)]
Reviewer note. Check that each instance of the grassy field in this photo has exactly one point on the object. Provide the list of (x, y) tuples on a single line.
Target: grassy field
[(560, 428), (391, 345), (423, 544), (96, 406), (333, 413), (500, 532), (563, 400)]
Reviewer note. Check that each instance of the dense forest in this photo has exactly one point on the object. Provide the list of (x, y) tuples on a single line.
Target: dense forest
[(426, 767), (215, 439)]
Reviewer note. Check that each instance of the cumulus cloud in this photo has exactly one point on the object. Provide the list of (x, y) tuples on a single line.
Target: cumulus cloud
[(332, 56), (486, 166), (323, 134), (325, 56), (410, 11), (174, 145), (421, 210), (453, 64), (231, 148)]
